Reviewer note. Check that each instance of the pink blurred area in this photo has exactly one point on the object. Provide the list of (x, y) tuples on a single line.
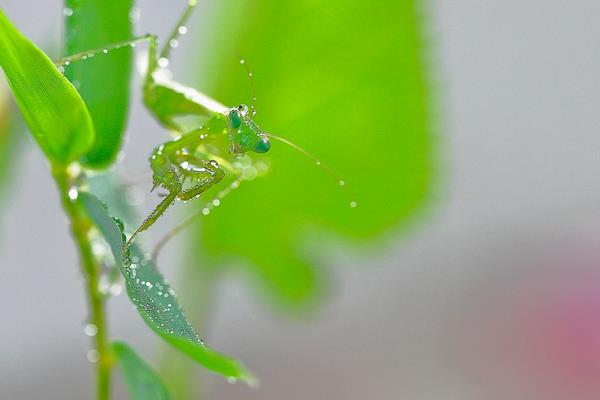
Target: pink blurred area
[(535, 334)]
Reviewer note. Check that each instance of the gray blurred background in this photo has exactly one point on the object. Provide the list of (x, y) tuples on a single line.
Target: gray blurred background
[(518, 89)]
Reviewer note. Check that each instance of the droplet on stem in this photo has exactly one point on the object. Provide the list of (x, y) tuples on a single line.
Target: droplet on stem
[(163, 62), (73, 194), (93, 356), (90, 330)]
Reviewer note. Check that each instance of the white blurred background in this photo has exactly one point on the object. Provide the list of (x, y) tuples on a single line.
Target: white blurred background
[(494, 295)]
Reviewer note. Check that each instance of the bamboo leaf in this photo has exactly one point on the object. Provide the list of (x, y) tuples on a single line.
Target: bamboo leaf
[(102, 80), (154, 298), (53, 110), (141, 380)]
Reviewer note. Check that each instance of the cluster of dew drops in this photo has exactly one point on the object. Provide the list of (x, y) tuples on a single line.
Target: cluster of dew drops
[(160, 307), (134, 16)]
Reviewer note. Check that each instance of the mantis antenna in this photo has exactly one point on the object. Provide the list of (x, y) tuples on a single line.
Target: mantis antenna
[(252, 86), (288, 142), (317, 161)]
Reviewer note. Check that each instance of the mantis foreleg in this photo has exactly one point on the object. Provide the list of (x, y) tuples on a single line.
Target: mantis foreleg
[(215, 202), (211, 175)]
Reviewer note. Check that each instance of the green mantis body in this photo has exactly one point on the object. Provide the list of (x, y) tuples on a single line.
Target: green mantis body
[(198, 159)]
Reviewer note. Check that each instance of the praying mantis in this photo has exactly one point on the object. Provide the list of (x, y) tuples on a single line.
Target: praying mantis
[(198, 159)]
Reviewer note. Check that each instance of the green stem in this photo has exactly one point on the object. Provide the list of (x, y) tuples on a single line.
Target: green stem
[(80, 228)]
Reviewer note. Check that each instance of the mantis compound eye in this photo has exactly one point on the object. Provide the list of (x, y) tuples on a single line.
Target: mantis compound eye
[(235, 118), (243, 109), (263, 145)]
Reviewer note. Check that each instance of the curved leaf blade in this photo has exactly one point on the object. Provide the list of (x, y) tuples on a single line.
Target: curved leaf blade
[(141, 380), (155, 300), (53, 110), (103, 80)]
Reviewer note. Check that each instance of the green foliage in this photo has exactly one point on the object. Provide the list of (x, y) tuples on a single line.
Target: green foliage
[(143, 383), (53, 110), (102, 80), (154, 298), (345, 80)]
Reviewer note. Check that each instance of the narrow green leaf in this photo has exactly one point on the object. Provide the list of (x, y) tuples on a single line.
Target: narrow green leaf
[(53, 110), (102, 80), (154, 298), (143, 383)]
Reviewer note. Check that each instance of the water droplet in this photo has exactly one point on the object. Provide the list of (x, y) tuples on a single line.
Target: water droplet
[(61, 69), (115, 289), (73, 194), (342, 183), (353, 204), (216, 202), (67, 62), (318, 163), (105, 51), (67, 12), (173, 43), (250, 74), (182, 30), (163, 62), (205, 211), (242, 61), (98, 249), (90, 330), (134, 14), (93, 356)]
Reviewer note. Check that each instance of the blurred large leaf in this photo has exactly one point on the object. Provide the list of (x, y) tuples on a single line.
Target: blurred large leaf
[(102, 80), (346, 80), (143, 383), (154, 298), (53, 110)]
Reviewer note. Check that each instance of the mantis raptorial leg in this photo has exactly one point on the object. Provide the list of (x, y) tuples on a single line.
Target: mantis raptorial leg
[(208, 207)]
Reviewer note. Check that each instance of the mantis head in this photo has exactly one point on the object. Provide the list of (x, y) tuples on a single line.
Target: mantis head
[(245, 134)]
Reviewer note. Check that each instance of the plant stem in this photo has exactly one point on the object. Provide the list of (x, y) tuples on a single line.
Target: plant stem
[(80, 228)]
